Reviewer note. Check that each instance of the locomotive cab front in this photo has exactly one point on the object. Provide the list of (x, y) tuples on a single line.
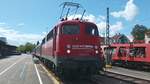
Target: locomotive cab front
[(79, 47)]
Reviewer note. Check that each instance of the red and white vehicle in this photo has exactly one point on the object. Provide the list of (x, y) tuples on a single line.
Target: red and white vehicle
[(131, 54), (72, 45)]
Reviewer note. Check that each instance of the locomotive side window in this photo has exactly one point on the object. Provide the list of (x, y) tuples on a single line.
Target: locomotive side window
[(43, 41), (70, 29), (50, 35), (91, 30)]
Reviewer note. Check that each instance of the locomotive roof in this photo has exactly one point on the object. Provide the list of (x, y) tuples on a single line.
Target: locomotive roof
[(75, 21)]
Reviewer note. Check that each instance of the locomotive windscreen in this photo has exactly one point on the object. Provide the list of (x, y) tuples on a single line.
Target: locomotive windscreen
[(91, 30), (70, 29)]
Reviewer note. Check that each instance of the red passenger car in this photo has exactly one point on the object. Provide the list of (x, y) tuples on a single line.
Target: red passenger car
[(72, 45), (131, 54)]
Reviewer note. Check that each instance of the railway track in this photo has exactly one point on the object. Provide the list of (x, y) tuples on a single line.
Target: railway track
[(103, 78), (70, 81), (98, 79), (130, 79)]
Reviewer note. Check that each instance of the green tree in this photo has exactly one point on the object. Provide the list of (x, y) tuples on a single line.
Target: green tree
[(21, 48), (29, 47), (138, 32), (26, 48)]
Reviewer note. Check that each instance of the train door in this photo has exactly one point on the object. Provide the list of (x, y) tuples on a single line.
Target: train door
[(54, 40), (122, 52)]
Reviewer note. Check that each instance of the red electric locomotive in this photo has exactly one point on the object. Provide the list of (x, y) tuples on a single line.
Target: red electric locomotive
[(72, 45)]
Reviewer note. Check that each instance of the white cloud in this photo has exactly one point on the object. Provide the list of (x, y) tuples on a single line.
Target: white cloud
[(89, 17), (101, 25), (2, 23), (44, 33), (116, 27), (15, 37), (101, 18), (20, 24), (129, 12), (130, 38)]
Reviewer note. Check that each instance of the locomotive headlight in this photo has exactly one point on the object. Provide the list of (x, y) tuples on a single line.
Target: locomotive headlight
[(68, 51), (96, 51)]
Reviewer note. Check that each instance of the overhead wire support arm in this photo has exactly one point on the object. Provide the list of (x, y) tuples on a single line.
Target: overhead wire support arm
[(69, 6), (67, 13), (82, 14), (62, 12)]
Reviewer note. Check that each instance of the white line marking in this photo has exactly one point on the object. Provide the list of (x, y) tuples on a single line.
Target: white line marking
[(10, 67), (39, 77), (22, 71), (50, 75)]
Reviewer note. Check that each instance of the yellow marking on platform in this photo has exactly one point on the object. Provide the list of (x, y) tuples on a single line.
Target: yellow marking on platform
[(51, 75), (108, 66)]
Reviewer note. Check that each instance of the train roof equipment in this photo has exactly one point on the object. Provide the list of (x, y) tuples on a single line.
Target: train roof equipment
[(71, 7)]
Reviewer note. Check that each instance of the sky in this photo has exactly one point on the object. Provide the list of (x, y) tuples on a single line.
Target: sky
[(24, 21)]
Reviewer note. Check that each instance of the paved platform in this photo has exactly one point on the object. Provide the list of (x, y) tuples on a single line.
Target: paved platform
[(20, 69), (129, 72)]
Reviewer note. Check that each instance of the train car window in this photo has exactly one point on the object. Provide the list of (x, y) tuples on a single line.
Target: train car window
[(70, 29), (113, 50), (91, 30), (137, 52), (43, 41), (122, 51), (50, 35)]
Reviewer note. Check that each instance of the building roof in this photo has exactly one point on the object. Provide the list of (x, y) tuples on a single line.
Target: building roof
[(117, 36)]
